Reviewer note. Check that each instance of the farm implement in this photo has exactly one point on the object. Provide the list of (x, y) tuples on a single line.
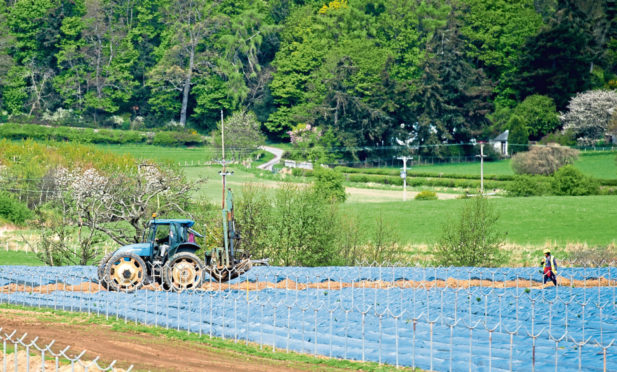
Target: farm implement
[(168, 256)]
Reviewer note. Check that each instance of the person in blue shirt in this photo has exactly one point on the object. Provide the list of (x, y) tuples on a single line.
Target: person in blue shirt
[(550, 267)]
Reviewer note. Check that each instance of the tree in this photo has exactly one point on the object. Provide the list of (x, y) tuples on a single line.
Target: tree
[(242, 135), (556, 61), (472, 239), (452, 95), (589, 114), (518, 137), (538, 114), (544, 160), (185, 51)]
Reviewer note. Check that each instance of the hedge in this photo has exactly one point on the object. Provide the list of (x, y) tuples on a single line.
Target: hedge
[(100, 136)]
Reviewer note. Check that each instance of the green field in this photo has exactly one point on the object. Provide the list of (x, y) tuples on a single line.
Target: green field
[(19, 258), (181, 155), (598, 165), (535, 220)]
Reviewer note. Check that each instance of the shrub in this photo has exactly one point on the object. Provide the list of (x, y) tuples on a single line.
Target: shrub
[(571, 181), (13, 210), (329, 184), (426, 195), (471, 239), (544, 160), (524, 185)]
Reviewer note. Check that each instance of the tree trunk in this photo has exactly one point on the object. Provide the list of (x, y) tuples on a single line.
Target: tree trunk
[(187, 88)]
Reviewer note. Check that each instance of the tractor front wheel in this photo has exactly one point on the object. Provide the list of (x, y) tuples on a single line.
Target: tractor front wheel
[(183, 271), (125, 272)]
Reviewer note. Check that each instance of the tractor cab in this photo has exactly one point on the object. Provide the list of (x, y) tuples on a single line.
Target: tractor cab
[(168, 236)]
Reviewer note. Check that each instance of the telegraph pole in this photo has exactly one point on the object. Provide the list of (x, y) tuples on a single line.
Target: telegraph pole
[(482, 156), (404, 174), (224, 173)]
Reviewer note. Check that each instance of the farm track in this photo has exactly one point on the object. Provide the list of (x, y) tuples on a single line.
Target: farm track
[(145, 351), (91, 287)]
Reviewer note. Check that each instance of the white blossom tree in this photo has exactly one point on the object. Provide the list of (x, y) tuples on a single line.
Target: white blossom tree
[(589, 115), (88, 204)]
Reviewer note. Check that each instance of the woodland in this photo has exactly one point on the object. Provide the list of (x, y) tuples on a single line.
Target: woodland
[(354, 72)]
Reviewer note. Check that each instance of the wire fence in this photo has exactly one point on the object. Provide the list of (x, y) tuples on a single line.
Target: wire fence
[(21, 353), (439, 318)]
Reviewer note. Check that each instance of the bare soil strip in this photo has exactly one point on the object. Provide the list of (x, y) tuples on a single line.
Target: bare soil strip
[(90, 287), (146, 352)]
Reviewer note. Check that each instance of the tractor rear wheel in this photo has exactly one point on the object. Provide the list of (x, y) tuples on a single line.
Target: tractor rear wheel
[(183, 271), (125, 272), (100, 270)]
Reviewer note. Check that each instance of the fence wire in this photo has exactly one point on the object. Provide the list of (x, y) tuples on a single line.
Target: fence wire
[(22, 355), (441, 318)]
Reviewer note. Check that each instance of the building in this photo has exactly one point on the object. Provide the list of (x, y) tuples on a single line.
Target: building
[(500, 143)]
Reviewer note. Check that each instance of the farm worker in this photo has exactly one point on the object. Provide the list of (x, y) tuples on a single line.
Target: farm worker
[(550, 267)]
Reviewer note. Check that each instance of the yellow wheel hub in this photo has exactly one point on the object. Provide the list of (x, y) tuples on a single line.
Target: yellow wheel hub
[(185, 273), (126, 272)]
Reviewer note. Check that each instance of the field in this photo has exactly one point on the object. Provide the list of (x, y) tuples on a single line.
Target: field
[(534, 220), (402, 316)]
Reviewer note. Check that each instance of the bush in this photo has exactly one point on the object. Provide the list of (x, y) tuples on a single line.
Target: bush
[(544, 160), (329, 184), (426, 195), (13, 210), (571, 181), (524, 185), (472, 239), (294, 226)]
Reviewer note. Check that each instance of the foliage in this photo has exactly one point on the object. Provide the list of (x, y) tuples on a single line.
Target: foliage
[(295, 226), (518, 137), (544, 160), (472, 239), (538, 114), (589, 115), (13, 210), (328, 183), (101, 136), (571, 181), (525, 185), (426, 195), (242, 135)]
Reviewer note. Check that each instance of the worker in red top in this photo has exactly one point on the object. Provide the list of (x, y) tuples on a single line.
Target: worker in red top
[(550, 267)]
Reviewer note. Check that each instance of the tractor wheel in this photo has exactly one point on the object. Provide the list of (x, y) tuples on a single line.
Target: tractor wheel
[(100, 270), (183, 271), (125, 272)]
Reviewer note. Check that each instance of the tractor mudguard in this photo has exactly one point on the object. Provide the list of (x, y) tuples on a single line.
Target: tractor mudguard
[(140, 249), (185, 247)]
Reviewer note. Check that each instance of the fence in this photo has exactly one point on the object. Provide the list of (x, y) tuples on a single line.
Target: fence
[(33, 357), (430, 318)]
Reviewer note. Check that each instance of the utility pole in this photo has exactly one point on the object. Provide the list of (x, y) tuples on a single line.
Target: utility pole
[(404, 174), (224, 173), (482, 156)]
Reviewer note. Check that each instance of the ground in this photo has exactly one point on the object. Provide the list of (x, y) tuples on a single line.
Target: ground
[(145, 351)]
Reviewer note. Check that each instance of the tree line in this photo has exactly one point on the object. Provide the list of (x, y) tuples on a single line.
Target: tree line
[(365, 72)]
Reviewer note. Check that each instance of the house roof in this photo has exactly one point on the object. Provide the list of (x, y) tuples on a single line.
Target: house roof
[(503, 137)]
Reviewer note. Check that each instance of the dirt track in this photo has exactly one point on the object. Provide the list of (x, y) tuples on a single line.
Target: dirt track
[(146, 352), (90, 287)]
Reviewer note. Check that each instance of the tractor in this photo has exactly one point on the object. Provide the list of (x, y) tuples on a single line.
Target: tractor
[(167, 256)]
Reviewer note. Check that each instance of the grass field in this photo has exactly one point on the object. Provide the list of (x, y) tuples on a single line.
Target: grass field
[(19, 258), (535, 220)]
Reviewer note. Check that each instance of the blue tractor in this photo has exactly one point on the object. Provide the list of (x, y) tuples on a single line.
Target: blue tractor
[(167, 256)]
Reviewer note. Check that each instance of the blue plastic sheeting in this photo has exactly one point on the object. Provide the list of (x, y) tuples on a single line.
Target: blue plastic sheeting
[(437, 329), (72, 275)]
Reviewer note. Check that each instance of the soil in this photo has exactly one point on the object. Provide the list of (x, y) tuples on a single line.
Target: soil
[(146, 352), (90, 287)]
